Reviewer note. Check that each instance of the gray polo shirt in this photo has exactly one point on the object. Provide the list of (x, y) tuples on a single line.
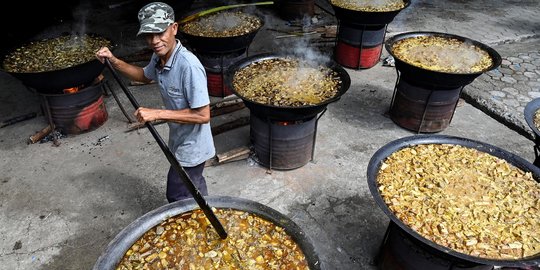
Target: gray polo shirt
[(183, 85)]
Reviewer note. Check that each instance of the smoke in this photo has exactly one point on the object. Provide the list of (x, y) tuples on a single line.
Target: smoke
[(80, 16), (304, 50), (310, 62)]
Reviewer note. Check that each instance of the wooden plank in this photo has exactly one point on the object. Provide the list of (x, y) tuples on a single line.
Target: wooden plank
[(236, 154), (232, 154)]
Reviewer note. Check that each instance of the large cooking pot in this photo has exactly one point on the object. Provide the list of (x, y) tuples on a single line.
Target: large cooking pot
[(530, 110), (421, 76), (285, 113), (385, 151), (129, 235), (364, 17), (219, 45), (529, 113), (55, 81)]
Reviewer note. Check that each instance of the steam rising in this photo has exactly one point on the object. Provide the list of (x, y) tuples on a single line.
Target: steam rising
[(224, 21), (309, 65), (283, 81)]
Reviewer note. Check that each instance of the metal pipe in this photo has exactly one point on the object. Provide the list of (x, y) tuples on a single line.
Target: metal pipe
[(174, 162)]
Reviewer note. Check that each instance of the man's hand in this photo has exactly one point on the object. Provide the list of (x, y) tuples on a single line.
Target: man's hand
[(144, 115), (103, 53)]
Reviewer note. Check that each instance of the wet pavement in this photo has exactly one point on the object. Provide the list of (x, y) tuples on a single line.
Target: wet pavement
[(60, 206)]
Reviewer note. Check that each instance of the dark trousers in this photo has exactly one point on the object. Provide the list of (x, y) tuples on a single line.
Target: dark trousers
[(177, 190)]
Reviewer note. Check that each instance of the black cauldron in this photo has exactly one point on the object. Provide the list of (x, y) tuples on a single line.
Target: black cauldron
[(385, 151), (55, 81), (219, 45), (529, 113), (129, 235), (285, 113), (365, 17), (530, 110), (425, 77)]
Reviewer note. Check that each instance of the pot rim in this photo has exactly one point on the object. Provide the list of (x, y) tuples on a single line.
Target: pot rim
[(63, 70), (530, 110), (407, 3), (393, 146), (261, 20), (343, 75), (117, 247), (495, 56)]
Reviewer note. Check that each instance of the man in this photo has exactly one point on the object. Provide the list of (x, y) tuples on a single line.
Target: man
[(183, 87)]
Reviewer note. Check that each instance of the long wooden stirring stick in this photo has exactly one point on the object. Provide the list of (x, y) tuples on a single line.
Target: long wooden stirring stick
[(174, 163), (216, 9)]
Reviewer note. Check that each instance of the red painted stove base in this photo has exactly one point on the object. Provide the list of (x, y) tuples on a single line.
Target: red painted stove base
[(357, 57), (80, 119), (216, 87)]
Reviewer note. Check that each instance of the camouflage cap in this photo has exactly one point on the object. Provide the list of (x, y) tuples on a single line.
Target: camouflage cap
[(155, 17)]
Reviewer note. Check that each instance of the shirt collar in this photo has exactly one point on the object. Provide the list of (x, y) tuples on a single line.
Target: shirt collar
[(172, 59)]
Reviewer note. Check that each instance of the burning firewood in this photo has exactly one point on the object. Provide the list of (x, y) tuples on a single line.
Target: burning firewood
[(39, 135)]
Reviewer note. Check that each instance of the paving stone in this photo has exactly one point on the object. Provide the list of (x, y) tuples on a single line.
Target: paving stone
[(508, 79), (506, 71), (520, 77), (497, 73), (499, 94), (510, 90), (525, 57), (511, 102), (529, 67), (531, 75), (522, 98), (515, 60), (534, 85), (505, 62), (534, 94), (515, 67)]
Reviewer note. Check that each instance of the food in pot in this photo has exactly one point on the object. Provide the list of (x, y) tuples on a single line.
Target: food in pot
[(54, 54), (188, 241), (536, 119), (223, 24), (463, 199), (370, 5), (443, 54), (286, 82)]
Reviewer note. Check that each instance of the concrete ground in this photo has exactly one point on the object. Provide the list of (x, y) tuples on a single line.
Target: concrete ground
[(60, 206)]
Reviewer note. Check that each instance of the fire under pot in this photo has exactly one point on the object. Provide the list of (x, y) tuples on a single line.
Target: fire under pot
[(78, 112), (283, 145)]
